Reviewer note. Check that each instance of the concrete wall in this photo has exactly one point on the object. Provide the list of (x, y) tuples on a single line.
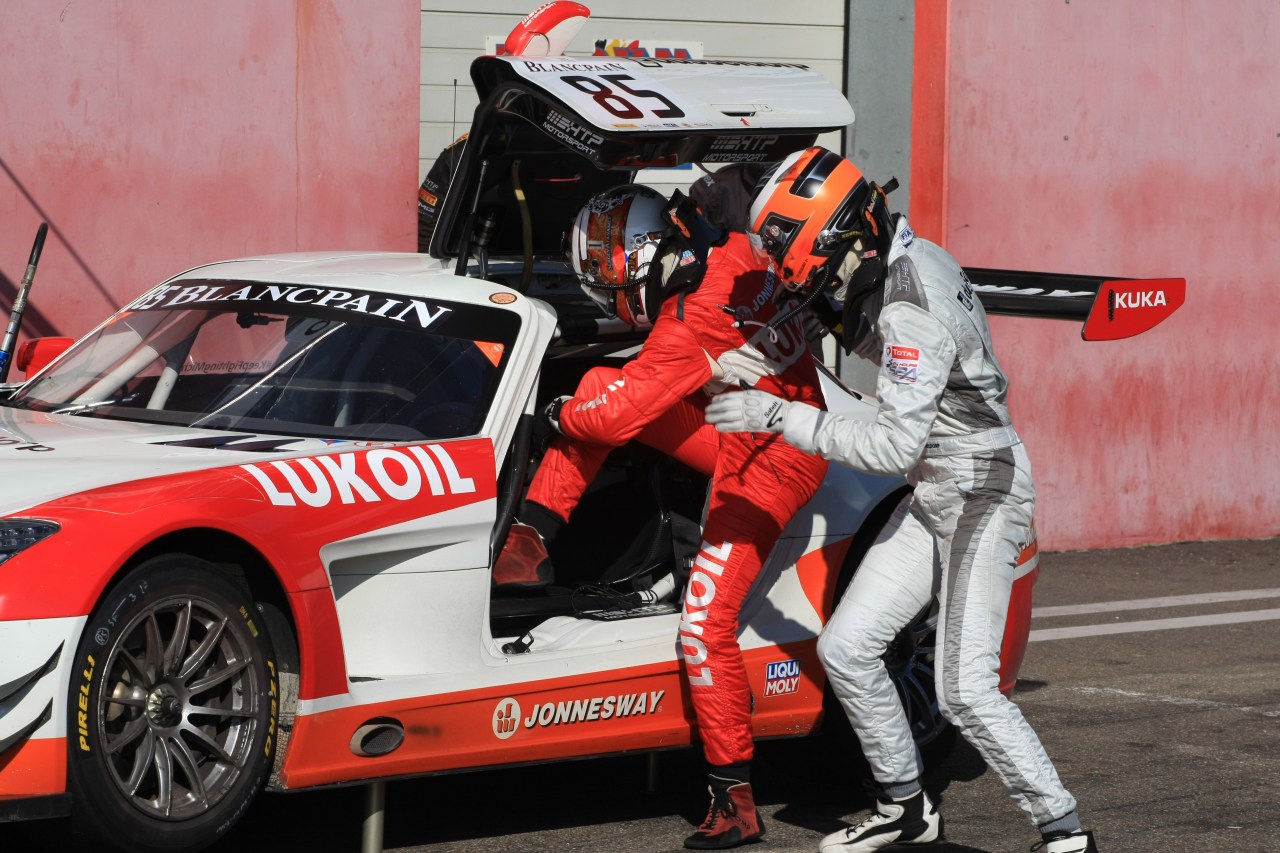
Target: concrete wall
[(1134, 139), (878, 85), (153, 137)]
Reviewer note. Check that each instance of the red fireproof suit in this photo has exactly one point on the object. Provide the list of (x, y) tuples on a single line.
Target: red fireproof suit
[(758, 481)]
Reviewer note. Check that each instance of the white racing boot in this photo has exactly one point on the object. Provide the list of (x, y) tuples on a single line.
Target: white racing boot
[(1079, 841), (914, 820)]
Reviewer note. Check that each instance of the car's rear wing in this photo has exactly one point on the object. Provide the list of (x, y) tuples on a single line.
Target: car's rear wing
[(703, 98), (1110, 308), (551, 131)]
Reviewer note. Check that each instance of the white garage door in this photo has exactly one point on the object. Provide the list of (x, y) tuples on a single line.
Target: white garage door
[(811, 32)]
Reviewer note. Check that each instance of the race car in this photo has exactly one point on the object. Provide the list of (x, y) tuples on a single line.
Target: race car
[(249, 521)]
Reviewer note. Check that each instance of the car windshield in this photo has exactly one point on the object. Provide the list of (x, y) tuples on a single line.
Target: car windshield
[(271, 358)]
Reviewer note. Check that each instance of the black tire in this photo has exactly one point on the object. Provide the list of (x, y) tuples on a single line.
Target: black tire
[(172, 710), (909, 660)]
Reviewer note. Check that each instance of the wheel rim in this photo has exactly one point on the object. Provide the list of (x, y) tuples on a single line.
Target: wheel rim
[(179, 707), (910, 662)]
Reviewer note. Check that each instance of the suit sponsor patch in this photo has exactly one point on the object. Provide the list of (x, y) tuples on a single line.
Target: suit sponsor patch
[(699, 594), (902, 364)]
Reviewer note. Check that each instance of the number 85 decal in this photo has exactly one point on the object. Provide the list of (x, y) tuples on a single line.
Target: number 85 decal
[(610, 100)]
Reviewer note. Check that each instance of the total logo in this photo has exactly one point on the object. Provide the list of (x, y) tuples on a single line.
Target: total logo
[(781, 677), (902, 364)]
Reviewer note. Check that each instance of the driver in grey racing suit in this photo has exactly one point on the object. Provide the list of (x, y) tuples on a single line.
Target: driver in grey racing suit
[(943, 421)]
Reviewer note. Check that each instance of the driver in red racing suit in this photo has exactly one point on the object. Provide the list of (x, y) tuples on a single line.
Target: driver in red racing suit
[(626, 248)]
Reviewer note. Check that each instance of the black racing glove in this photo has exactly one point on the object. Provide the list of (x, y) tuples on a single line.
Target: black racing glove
[(551, 413), (546, 425)]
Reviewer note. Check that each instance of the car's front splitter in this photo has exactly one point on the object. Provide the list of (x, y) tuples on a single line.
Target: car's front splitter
[(34, 673)]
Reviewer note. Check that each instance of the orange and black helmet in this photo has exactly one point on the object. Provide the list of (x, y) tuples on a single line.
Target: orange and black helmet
[(816, 206)]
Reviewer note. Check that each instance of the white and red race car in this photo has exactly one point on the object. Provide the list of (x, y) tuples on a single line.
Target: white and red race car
[(247, 523)]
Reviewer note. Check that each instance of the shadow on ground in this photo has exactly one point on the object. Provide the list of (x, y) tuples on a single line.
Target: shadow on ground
[(813, 784)]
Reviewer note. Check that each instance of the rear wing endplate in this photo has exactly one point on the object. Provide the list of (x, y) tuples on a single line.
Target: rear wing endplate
[(1110, 308)]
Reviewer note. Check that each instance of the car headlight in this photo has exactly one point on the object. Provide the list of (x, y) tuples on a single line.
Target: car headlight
[(17, 535)]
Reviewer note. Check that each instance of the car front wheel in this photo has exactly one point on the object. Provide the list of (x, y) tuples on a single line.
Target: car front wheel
[(909, 660), (172, 709), (910, 663)]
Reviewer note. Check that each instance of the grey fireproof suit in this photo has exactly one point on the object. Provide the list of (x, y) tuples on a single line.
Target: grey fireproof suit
[(942, 421)]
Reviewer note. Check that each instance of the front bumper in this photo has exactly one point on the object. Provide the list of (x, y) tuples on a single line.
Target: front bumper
[(34, 808), (35, 671)]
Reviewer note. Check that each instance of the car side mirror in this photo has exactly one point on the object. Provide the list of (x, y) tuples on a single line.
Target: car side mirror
[(36, 354)]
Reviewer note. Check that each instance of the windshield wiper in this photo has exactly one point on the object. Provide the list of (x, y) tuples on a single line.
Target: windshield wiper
[(88, 407), (245, 320)]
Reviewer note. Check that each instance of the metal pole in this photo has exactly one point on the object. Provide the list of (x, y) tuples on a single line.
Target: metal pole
[(652, 781), (20, 302), (375, 813)]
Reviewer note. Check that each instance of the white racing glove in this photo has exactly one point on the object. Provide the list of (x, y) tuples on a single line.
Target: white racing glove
[(747, 411), (744, 367), (756, 411)]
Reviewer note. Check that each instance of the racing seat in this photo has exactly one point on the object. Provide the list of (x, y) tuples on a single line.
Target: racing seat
[(606, 559)]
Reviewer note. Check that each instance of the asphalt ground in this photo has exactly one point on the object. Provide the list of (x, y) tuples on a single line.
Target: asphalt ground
[(1152, 677)]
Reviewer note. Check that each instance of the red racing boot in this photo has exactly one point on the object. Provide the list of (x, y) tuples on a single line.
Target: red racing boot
[(524, 561), (732, 819)]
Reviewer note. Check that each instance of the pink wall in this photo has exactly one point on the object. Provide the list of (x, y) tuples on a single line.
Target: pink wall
[(1137, 139), (1132, 139), (157, 136)]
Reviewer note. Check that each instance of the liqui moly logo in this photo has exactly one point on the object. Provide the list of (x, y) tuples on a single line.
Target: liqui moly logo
[(388, 473), (781, 677), (707, 568)]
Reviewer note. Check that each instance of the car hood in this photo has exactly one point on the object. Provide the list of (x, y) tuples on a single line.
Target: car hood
[(44, 457)]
